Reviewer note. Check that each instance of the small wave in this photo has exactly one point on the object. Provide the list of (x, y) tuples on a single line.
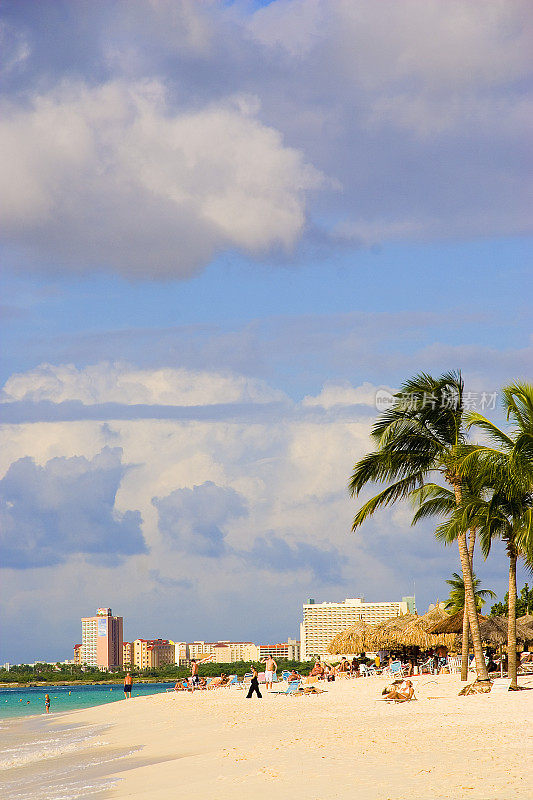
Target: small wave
[(45, 749)]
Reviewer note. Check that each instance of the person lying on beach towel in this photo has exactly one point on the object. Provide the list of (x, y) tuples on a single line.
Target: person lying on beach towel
[(308, 690), (400, 691), (216, 683)]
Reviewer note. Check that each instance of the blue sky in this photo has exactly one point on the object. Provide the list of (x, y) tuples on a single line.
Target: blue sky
[(225, 227)]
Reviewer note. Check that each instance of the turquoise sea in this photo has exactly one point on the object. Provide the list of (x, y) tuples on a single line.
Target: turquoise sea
[(16, 702)]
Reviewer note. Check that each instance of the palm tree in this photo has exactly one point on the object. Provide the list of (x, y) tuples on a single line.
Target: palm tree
[(507, 471), (456, 600), (433, 500), (422, 432)]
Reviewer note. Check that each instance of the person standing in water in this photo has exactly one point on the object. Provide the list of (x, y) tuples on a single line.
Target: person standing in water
[(254, 685), (47, 703), (128, 681)]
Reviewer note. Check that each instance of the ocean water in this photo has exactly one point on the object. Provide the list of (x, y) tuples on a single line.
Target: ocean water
[(25, 702), (43, 760)]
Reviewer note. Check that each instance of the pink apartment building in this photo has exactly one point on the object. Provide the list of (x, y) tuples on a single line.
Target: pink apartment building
[(102, 640)]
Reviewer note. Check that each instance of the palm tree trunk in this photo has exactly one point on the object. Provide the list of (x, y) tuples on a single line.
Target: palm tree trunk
[(511, 631), (470, 600), (466, 627)]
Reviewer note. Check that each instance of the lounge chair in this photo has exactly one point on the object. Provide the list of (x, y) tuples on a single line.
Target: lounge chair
[(291, 688), (367, 672), (454, 664)]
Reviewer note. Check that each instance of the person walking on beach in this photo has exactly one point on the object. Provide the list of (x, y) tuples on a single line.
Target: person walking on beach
[(254, 684), (128, 681), (47, 703), (270, 669), (195, 680)]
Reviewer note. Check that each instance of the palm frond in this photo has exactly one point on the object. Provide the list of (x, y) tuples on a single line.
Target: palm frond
[(391, 494)]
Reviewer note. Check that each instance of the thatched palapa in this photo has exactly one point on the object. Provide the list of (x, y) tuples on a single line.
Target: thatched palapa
[(493, 629), (352, 640)]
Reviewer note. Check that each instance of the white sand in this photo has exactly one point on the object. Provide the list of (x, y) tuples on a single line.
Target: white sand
[(343, 744)]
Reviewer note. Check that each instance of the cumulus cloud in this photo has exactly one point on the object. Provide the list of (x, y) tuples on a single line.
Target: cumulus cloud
[(110, 176), (194, 520), (197, 128), (232, 510), (122, 383), (63, 508)]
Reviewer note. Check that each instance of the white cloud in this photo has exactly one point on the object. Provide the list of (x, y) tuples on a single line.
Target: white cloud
[(112, 177), (121, 383), (290, 475), (344, 394)]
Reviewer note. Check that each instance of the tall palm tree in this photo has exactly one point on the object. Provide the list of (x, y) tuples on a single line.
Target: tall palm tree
[(433, 500), (422, 432), (456, 600), (507, 470)]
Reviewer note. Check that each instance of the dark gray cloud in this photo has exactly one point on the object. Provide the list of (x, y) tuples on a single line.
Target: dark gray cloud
[(195, 520), (63, 508), (278, 555)]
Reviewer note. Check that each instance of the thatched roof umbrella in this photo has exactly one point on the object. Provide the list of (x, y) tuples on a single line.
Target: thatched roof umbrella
[(388, 635), (527, 619), (493, 629), (417, 633), (352, 640)]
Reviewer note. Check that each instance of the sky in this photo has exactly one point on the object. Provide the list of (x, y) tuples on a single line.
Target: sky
[(226, 226)]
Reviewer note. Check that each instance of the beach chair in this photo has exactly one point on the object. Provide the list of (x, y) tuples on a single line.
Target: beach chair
[(247, 679), (233, 681), (394, 670), (427, 667), (291, 688), (261, 677), (501, 685), (367, 672), (454, 664), (285, 675)]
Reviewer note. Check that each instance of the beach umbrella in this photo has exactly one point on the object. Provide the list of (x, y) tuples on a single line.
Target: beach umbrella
[(352, 640), (493, 629), (526, 619), (418, 632), (389, 634)]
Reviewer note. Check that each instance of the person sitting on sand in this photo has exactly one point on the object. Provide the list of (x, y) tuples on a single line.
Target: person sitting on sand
[(344, 665), (399, 691)]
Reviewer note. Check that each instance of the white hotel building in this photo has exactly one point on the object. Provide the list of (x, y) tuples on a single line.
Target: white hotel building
[(323, 621)]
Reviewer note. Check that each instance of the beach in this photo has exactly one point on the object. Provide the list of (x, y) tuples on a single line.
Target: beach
[(340, 744)]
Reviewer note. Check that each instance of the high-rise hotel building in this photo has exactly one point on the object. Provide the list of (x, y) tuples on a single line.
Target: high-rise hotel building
[(323, 621), (101, 640)]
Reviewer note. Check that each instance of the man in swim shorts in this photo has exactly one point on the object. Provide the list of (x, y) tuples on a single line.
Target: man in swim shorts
[(195, 680), (128, 681), (270, 669)]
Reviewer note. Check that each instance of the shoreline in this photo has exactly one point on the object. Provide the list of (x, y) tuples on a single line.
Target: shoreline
[(321, 747), (42, 684)]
